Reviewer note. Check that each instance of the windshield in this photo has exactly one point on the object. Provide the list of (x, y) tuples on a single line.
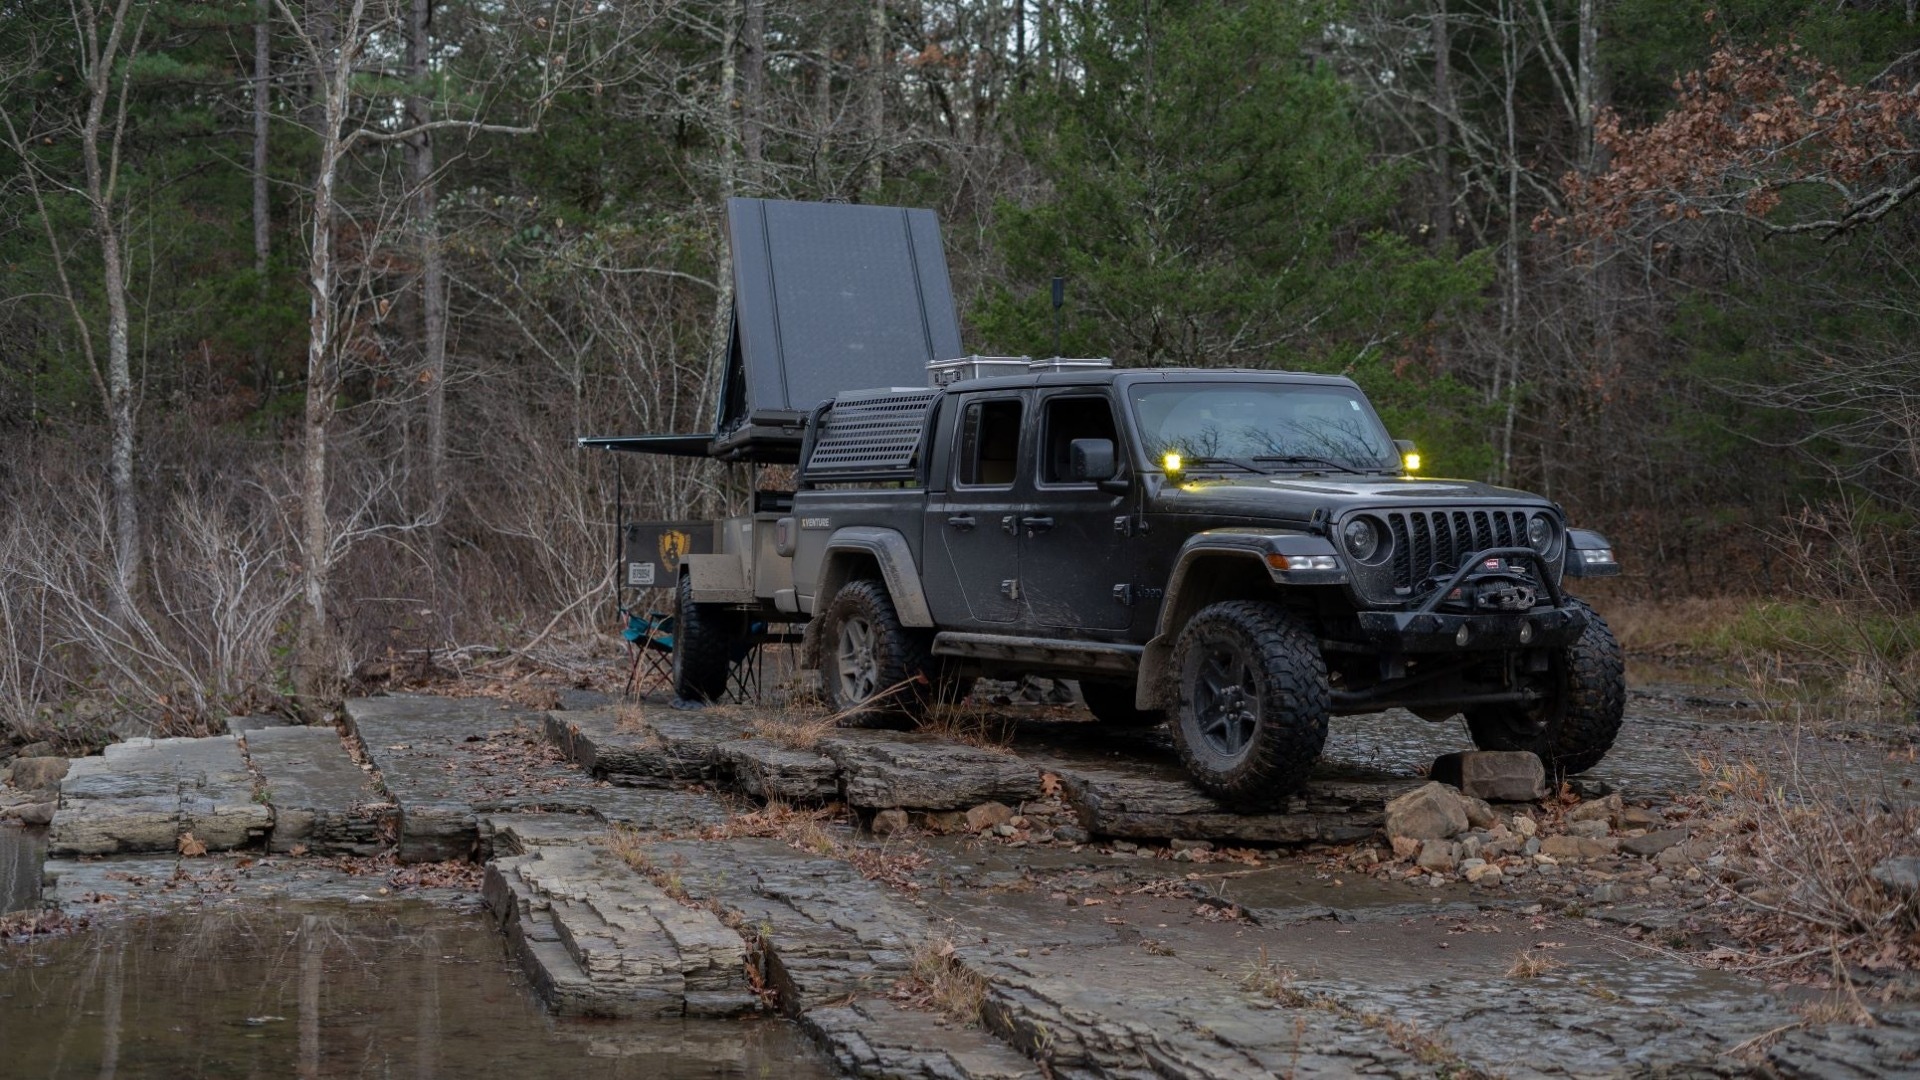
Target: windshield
[(1272, 424)]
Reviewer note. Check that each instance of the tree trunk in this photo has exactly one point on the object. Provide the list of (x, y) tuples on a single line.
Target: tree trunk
[(753, 86), (1020, 44), (262, 207), (317, 648), (433, 302), (729, 177), (876, 95), (1510, 296), (101, 184), (1442, 128), (1586, 95)]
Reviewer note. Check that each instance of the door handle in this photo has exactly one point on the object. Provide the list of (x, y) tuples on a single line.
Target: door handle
[(963, 522), (1037, 524)]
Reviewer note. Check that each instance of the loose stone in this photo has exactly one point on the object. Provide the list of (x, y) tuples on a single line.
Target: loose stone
[(988, 815), (1432, 812), (1495, 775)]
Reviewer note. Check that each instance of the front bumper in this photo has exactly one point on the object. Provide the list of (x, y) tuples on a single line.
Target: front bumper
[(1441, 632)]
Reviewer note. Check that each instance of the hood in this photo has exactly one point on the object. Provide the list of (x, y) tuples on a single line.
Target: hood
[(1296, 498)]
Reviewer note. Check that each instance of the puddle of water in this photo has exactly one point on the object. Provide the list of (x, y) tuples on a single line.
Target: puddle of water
[(335, 992), (21, 852)]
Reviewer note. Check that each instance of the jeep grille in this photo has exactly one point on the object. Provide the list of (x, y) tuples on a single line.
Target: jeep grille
[(1424, 540)]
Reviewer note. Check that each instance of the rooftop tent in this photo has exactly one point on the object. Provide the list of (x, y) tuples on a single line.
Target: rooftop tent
[(827, 297)]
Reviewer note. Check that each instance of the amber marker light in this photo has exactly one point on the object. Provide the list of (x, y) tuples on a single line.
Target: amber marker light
[(1412, 461), (1170, 462)]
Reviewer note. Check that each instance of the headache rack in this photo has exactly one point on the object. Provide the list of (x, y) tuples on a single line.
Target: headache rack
[(868, 435)]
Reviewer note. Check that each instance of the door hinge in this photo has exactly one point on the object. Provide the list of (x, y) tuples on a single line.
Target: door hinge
[(1010, 588), (1123, 594)]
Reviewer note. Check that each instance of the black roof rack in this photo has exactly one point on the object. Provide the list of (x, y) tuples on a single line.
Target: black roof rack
[(870, 435)]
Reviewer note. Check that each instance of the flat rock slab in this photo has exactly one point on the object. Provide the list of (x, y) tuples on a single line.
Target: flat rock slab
[(876, 1040), (1138, 799), (824, 930), (767, 770), (656, 747), (450, 763), (880, 770), (152, 884), (322, 800), (599, 939), (145, 794), (1119, 1011)]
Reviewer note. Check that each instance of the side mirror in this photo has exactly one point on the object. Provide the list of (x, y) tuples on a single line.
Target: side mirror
[(1091, 460)]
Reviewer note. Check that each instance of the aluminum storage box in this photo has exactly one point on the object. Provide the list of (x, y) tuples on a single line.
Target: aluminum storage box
[(947, 372)]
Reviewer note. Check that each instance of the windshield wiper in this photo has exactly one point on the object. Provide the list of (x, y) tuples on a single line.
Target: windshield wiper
[(1309, 459), (1243, 464)]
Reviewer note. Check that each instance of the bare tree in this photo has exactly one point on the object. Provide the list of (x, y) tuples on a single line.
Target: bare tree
[(106, 37)]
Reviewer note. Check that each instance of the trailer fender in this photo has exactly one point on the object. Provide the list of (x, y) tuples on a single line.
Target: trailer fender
[(888, 548), (718, 579)]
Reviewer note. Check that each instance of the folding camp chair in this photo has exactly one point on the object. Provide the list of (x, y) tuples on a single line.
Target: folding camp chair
[(650, 636)]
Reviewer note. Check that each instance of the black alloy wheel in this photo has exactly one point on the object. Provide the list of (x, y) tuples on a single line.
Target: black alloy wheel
[(1253, 702)]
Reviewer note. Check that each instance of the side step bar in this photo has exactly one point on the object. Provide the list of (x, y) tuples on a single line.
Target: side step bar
[(1094, 658)]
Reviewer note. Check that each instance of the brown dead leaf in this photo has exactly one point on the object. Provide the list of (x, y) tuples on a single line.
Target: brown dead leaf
[(1049, 784), (191, 847)]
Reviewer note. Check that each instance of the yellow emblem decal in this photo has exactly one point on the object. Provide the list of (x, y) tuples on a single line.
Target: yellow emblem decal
[(674, 544)]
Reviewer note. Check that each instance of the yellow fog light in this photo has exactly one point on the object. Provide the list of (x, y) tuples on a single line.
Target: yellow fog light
[(1170, 462), (1411, 461)]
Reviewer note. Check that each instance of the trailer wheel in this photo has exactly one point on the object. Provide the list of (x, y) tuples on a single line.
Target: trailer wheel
[(1576, 725), (1111, 703), (703, 640), (1253, 702), (873, 667)]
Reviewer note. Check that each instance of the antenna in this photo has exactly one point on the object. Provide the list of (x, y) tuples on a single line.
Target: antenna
[(1059, 299)]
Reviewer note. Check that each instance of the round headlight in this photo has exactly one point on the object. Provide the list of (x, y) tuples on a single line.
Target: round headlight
[(1362, 537), (1540, 533)]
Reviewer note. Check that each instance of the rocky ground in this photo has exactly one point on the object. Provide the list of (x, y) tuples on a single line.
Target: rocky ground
[(1025, 894)]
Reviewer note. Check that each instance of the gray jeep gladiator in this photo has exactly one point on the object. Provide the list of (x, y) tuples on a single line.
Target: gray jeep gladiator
[(1239, 554)]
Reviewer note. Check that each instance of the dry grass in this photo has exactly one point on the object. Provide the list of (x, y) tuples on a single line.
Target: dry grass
[(794, 729), (1531, 964), (630, 718), (1801, 844), (937, 981), (1275, 983), (974, 725)]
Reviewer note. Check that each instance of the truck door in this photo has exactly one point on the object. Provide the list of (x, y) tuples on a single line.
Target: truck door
[(977, 516), (1073, 557)]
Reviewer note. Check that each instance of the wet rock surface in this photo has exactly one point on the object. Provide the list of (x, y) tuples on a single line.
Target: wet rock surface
[(1085, 914), (448, 763), (148, 794), (322, 801)]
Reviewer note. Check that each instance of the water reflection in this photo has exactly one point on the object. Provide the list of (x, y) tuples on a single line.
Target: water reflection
[(329, 993), (21, 852)]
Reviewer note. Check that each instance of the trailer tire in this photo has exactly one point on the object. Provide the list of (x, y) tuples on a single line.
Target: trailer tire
[(703, 642)]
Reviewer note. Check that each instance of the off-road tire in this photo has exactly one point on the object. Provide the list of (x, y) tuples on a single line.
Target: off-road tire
[(896, 670), (1111, 703), (1272, 657), (1576, 726), (703, 641)]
